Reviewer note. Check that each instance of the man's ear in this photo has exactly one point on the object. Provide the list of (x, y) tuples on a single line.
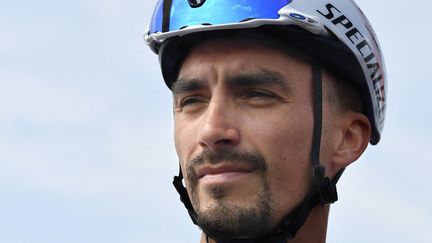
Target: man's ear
[(356, 133)]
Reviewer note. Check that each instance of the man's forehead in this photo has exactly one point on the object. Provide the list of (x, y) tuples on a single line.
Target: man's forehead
[(232, 55), (255, 52), (228, 56)]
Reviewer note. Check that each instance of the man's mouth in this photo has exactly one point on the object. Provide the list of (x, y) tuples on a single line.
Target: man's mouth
[(222, 173)]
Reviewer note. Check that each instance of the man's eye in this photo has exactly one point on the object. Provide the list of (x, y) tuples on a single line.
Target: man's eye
[(190, 101), (259, 94)]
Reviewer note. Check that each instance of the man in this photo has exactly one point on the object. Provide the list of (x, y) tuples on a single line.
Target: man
[(272, 100)]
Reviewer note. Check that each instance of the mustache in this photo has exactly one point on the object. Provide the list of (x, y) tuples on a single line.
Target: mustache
[(214, 157)]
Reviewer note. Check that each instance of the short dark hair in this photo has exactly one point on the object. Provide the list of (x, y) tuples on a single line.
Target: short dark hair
[(344, 95)]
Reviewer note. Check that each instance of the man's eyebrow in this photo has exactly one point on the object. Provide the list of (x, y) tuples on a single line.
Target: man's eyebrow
[(184, 85), (259, 78)]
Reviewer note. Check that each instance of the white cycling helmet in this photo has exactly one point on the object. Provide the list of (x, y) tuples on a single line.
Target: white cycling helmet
[(340, 36)]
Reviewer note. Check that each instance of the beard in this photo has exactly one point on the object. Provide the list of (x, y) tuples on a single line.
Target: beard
[(224, 220)]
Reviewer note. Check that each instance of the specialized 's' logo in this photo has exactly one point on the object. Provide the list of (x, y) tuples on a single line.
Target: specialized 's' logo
[(196, 3)]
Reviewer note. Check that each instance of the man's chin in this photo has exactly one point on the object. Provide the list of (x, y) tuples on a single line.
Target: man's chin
[(224, 219)]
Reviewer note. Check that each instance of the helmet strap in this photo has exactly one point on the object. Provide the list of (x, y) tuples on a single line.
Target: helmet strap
[(325, 187), (322, 192), (184, 197)]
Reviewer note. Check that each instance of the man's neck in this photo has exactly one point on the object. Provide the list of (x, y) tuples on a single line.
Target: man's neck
[(313, 231)]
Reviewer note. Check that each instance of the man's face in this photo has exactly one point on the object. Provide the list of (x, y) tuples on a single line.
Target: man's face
[(243, 132)]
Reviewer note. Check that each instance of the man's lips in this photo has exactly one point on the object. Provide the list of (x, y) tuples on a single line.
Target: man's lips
[(222, 174), (221, 170)]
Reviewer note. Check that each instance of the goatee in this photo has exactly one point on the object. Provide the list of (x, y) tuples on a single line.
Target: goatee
[(225, 220)]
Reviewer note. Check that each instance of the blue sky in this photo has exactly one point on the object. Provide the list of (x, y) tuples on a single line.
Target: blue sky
[(86, 151)]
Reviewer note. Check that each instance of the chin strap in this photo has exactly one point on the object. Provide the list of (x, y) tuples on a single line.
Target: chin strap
[(325, 187), (184, 197), (322, 192)]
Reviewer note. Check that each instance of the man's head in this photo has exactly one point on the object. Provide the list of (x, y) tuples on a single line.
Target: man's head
[(243, 132), (258, 146)]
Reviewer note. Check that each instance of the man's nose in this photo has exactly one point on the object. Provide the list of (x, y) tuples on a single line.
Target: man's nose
[(219, 126)]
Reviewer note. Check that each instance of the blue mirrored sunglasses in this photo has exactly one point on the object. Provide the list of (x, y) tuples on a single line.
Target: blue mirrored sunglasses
[(170, 15)]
